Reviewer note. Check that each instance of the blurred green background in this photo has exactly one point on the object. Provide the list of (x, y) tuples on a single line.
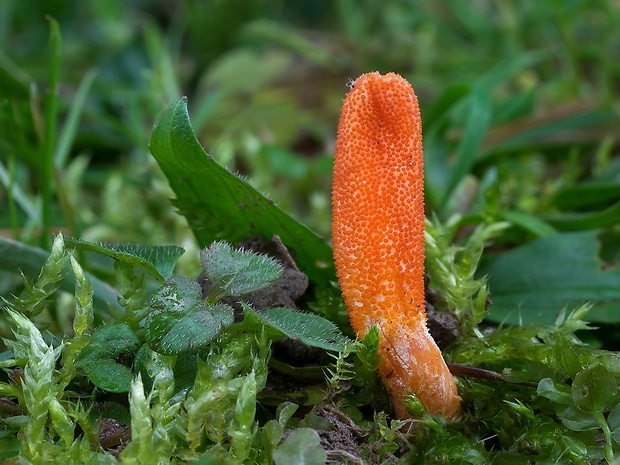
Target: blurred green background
[(519, 103)]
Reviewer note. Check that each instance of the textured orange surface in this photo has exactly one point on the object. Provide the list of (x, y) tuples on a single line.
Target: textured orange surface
[(378, 237)]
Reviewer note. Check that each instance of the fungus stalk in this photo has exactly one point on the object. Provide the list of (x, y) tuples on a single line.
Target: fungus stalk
[(378, 238)]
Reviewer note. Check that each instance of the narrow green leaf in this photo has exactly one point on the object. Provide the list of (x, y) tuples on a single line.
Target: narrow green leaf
[(17, 194), (443, 104), (476, 126), (180, 321), (516, 106), (540, 130), (581, 221), (220, 205), (158, 260), (507, 68), (290, 38), (51, 120), (13, 79), (70, 127), (587, 195), (236, 272), (528, 222)]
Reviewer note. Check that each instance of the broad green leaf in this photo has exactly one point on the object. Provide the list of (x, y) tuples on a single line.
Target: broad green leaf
[(110, 409), (595, 389), (301, 447), (563, 352), (180, 321), (310, 329), (236, 272), (158, 260), (576, 419), (576, 447), (559, 394), (18, 257), (99, 358), (220, 205), (534, 282), (116, 338), (110, 376), (9, 447)]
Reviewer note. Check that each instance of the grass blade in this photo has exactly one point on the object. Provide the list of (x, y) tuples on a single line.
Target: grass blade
[(51, 116)]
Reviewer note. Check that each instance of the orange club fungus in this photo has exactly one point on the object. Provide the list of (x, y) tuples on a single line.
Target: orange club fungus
[(378, 238)]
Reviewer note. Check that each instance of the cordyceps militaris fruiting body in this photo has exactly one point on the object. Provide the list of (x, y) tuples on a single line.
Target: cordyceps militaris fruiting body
[(378, 238)]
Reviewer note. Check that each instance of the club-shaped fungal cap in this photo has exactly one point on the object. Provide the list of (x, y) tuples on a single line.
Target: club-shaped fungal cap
[(378, 237)]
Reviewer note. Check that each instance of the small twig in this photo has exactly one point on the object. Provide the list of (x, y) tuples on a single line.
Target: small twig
[(466, 371)]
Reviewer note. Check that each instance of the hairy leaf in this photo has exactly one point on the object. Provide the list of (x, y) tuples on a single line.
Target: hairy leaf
[(236, 272), (310, 329), (180, 321), (158, 260)]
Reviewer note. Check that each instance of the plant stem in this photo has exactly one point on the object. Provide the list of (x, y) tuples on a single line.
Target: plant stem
[(609, 451)]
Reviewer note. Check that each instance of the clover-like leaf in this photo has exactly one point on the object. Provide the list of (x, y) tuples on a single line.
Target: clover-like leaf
[(102, 358), (180, 321), (235, 272)]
